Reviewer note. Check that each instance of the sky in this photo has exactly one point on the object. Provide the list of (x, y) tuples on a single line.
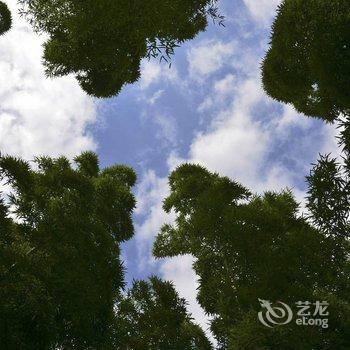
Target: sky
[(208, 108)]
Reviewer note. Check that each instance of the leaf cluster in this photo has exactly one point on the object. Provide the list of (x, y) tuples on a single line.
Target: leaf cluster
[(103, 42), (5, 18), (60, 267), (308, 63), (249, 247), (152, 316)]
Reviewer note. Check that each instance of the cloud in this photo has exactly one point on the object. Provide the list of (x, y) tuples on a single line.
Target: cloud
[(153, 72), (262, 10), (39, 115), (223, 89), (225, 86), (291, 117), (155, 97), (150, 193), (246, 131), (179, 270), (167, 129), (235, 144), (207, 57)]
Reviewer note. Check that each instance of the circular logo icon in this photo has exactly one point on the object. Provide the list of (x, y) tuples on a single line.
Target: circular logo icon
[(277, 315)]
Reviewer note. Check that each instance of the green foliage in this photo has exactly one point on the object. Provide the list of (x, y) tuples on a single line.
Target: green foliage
[(26, 310), (329, 204), (153, 317), (60, 271), (103, 42), (5, 18), (329, 197), (249, 247), (329, 190), (250, 334), (308, 64)]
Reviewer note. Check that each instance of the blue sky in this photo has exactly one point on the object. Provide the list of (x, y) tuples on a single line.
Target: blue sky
[(208, 108)]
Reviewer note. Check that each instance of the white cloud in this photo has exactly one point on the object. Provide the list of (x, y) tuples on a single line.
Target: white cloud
[(153, 71), (291, 117), (167, 129), (150, 73), (150, 193), (262, 10), (179, 270), (235, 144), (331, 145), (208, 57), (225, 86), (223, 89), (244, 132), (155, 97), (38, 115)]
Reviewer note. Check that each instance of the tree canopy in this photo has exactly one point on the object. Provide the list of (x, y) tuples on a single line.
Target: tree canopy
[(103, 42), (253, 247), (308, 63), (59, 251), (61, 277), (61, 227), (152, 316), (5, 18)]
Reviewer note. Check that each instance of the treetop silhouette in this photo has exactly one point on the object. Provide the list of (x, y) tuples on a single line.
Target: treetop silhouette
[(103, 42), (5, 18), (308, 63)]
